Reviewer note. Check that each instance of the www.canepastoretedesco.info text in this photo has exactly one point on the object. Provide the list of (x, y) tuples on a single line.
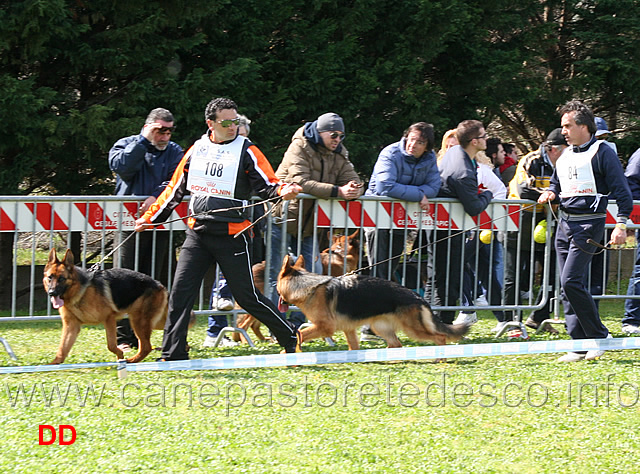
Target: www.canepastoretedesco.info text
[(440, 392)]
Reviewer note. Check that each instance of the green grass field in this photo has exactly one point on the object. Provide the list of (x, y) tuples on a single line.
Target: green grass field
[(490, 414)]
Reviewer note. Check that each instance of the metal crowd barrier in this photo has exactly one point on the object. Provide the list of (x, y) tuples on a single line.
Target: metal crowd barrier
[(93, 225)]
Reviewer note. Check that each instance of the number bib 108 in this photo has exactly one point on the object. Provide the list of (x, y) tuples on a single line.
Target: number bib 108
[(213, 169), (576, 173)]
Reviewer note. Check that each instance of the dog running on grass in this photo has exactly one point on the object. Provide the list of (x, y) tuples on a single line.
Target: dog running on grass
[(347, 302), (102, 297), (343, 247)]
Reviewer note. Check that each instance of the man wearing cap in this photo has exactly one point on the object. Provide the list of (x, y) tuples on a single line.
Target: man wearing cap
[(631, 319), (586, 173), (532, 178), (318, 161)]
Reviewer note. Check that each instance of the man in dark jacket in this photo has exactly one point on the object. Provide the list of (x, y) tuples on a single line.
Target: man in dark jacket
[(458, 171), (631, 319), (585, 174), (144, 164)]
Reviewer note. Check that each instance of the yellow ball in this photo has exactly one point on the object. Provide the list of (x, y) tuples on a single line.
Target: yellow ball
[(486, 236), (540, 232)]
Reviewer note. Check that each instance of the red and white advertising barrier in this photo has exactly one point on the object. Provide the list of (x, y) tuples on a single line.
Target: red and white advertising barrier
[(397, 215), (77, 216), (37, 216)]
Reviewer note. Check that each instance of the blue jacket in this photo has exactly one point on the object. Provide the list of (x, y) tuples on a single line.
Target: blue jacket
[(609, 178), (400, 175), (633, 174), (141, 169)]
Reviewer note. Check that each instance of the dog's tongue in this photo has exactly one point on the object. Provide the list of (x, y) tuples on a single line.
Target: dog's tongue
[(283, 307), (57, 302)]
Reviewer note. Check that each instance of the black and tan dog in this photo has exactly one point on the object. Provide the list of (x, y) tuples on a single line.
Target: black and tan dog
[(343, 249), (102, 297), (347, 302)]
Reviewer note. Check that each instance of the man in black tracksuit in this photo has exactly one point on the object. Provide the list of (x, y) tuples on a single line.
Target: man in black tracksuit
[(221, 171)]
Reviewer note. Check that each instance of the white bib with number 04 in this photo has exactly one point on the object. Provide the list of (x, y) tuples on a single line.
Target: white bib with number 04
[(214, 167), (576, 173)]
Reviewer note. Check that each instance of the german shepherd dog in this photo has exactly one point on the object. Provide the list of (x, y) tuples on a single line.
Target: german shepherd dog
[(347, 302), (84, 297), (343, 247)]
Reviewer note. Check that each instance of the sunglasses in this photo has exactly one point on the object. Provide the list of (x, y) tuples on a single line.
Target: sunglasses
[(166, 129), (227, 123), (334, 135), (482, 137)]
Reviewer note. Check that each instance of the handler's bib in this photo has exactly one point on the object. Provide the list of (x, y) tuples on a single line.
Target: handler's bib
[(213, 170), (576, 173)]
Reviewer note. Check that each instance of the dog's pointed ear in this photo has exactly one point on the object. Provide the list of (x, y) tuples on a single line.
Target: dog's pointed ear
[(355, 235), (287, 262), (68, 258), (53, 258), (299, 265)]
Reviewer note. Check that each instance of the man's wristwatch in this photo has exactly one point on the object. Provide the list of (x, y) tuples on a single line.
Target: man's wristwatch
[(621, 226)]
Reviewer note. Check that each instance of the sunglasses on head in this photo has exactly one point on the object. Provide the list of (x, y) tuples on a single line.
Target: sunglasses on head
[(227, 123), (335, 135)]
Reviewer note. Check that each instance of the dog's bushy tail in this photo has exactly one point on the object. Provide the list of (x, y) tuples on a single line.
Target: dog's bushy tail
[(453, 332)]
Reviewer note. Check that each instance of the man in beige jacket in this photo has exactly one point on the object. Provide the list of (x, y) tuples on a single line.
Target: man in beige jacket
[(318, 161)]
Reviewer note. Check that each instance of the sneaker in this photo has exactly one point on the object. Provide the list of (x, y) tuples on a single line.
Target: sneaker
[(224, 342), (596, 353), (466, 318), (481, 301), (515, 333), (571, 357), (525, 295), (630, 329), (124, 347), (222, 304), (367, 335)]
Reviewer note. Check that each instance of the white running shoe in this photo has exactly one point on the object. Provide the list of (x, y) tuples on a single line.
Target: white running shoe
[(596, 353), (466, 318)]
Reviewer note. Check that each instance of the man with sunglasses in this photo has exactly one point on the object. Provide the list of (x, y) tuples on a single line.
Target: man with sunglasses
[(318, 162), (222, 170), (144, 164)]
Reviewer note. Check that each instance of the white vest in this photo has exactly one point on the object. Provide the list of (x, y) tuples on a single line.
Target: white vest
[(575, 172), (213, 170)]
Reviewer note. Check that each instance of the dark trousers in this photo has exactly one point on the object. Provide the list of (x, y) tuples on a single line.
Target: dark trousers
[(574, 256), (198, 253), (448, 270)]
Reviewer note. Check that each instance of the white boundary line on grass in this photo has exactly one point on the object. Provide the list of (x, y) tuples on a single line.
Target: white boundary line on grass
[(340, 357)]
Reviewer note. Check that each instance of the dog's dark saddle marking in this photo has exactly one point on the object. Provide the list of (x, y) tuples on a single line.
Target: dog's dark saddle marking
[(361, 296)]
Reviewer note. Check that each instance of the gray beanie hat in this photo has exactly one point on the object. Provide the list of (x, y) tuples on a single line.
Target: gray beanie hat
[(330, 122)]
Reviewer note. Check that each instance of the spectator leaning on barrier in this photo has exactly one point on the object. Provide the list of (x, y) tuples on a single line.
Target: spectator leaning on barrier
[(532, 178), (318, 162), (490, 258), (237, 168), (585, 174), (144, 164), (405, 170), (631, 319), (458, 173)]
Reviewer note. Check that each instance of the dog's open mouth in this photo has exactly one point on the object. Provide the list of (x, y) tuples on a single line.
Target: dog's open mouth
[(57, 302), (283, 306)]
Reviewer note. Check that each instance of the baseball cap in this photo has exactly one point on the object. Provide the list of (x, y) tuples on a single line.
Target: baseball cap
[(330, 122), (601, 126), (556, 138)]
